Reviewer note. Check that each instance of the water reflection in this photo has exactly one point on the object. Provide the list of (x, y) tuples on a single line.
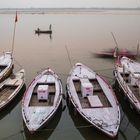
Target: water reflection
[(33, 53), (130, 118), (50, 35), (45, 132), (38, 31), (86, 130)]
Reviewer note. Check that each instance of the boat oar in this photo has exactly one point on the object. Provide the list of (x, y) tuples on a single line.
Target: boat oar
[(114, 39), (115, 53)]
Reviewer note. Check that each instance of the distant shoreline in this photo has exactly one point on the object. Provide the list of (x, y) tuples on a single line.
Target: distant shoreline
[(62, 10)]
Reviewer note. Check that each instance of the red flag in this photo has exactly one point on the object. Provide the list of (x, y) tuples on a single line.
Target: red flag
[(16, 18)]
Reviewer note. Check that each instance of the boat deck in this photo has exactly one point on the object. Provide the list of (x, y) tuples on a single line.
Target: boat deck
[(34, 100), (5, 92), (97, 91)]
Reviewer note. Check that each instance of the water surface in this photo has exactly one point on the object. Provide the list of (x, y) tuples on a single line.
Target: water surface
[(83, 34)]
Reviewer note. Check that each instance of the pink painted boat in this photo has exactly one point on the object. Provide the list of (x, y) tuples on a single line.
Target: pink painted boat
[(121, 52), (127, 74), (93, 99), (41, 100)]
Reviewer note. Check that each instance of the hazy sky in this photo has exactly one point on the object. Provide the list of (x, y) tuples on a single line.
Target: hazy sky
[(68, 3)]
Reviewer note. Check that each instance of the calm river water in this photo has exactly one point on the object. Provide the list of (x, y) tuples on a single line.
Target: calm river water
[(82, 34)]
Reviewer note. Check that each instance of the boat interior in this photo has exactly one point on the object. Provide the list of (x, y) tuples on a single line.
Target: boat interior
[(51, 94), (96, 100), (6, 91), (2, 67), (133, 87)]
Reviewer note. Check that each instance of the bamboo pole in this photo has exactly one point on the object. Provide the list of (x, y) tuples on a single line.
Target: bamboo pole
[(13, 41)]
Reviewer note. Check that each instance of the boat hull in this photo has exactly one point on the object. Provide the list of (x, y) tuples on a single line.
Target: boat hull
[(43, 32)]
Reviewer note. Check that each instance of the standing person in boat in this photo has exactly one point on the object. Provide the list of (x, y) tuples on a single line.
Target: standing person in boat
[(38, 29), (50, 27)]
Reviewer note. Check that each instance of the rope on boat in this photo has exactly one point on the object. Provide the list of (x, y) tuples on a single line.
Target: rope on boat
[(103, 124), (18, 63)]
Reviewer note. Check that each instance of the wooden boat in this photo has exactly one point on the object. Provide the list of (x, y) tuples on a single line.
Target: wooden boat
[(6, 65), (10, 88), (121, 52), (127, 73), (93, 99), (38, 31), (49, 31), (41, 100)]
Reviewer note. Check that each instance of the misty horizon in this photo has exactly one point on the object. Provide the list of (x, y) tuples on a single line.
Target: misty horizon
[(70, 4)]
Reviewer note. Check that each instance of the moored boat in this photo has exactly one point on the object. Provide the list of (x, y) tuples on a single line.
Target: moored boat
[(127, 74), (38, 31), (120, 52), (93, 99), (10, 88), (41, 100), (49, 31), (6, 65)]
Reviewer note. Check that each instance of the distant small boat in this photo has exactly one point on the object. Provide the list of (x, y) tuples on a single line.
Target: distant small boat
[(43, 31), (6, 65), (38, 31), (41, 100), (127, 73), (10, 88), (93, 99)]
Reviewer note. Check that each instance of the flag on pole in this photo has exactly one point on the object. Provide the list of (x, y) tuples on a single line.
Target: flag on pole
[(16, 18)]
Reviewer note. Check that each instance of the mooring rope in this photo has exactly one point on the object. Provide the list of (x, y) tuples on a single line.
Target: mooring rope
[(18, 63)]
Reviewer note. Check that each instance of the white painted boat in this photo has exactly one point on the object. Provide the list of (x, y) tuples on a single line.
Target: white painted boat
[(6, 65), (94, 99), (127, 73), (10, 88), (41, 100)]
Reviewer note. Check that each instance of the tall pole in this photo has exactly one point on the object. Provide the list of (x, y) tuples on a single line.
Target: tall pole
[(14, 35)]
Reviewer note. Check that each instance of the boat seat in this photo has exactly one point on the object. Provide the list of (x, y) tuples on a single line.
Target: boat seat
[(97, 89), (94, 101)]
